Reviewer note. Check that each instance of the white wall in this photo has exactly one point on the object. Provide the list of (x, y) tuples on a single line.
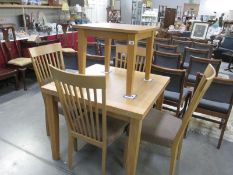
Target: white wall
[(207, 7)]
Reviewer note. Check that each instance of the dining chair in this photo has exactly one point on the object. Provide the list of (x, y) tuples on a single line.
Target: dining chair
[(198, 65), (166, 48), (181, 45), (41, 57), (203, 46), (12, 53), (166, 130), (188, 52), (168, 60), (120, 59), (216, 104), (162, 40), (64, 38), (175, 93), (83, 99)]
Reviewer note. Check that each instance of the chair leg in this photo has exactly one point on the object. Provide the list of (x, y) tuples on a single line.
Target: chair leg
[(222, 134), (75, 140), (47, 123), (125, 154), (174, 153), (179, 149), (16, 82), (23, 74), (70, 151), (104, 156), (222, 122)]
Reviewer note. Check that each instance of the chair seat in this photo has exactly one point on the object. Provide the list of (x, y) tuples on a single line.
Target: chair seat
[(160, 128), (115, 128), (192, 78), (68, 50), (22, 61), (214, 106), (174, 96), (185, 65)]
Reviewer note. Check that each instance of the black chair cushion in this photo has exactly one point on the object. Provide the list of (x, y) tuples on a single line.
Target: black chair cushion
[(174, 96), (214, 106)]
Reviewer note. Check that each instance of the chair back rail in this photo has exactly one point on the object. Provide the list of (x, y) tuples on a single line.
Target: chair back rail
[(204, 84), (83, 99), (166, 48), (169, 60), (181, 45), (162, 40), (204, 46)]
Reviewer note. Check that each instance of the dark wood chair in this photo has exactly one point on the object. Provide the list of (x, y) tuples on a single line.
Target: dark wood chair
[(204, 46), (198, 65), (6, 73), (166, 48), (13, 55), (162, 40), (64, 37), (175, 93), (181, 45), (217, 102), (168, 60), (163, 129), (180, 38), (188, 52)]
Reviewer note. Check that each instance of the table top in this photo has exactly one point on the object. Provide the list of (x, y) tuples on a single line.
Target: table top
[(147, 92), (114, 27)]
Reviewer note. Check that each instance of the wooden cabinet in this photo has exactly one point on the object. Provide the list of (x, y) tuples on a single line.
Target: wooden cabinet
[(170, 15)]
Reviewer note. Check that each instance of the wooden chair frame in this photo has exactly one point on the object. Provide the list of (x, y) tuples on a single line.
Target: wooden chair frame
[(169, 55), (193, 50), (162, 40), (7, 53), (83, 99), (204, 60), (181, 102), (42, 57), (223, 116), (178, 42), (210, 46)]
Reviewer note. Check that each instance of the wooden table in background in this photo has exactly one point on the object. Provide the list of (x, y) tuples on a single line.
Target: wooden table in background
[(109, 31), (133, 111)]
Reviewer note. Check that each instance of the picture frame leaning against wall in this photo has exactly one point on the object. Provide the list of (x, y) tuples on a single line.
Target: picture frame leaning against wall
[(199, 30)]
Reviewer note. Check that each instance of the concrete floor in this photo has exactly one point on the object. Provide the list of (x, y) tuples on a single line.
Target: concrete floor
[(25, 147)]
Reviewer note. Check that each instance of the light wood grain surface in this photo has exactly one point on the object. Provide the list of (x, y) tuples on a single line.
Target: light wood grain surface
[(147, 92), (113, 27)]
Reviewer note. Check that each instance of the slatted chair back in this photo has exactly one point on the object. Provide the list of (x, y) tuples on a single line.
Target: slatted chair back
[(166, 48), (83, 100), (42, 56), (204, 84), (168, 60), (189, 52), (121, 58), (204, 46), (162, 40), (181, 45)]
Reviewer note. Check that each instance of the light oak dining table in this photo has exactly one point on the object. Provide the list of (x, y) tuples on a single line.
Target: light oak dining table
[(108, 31), (131, 110)]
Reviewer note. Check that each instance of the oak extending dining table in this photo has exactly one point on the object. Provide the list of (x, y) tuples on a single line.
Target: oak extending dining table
[(131, 110), (108, 31)]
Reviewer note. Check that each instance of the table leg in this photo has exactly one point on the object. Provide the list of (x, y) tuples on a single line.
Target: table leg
[(132, 50), (53, 120), (159, 102), (107, 50), (82, 51), (149, 55), (133, 146)]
